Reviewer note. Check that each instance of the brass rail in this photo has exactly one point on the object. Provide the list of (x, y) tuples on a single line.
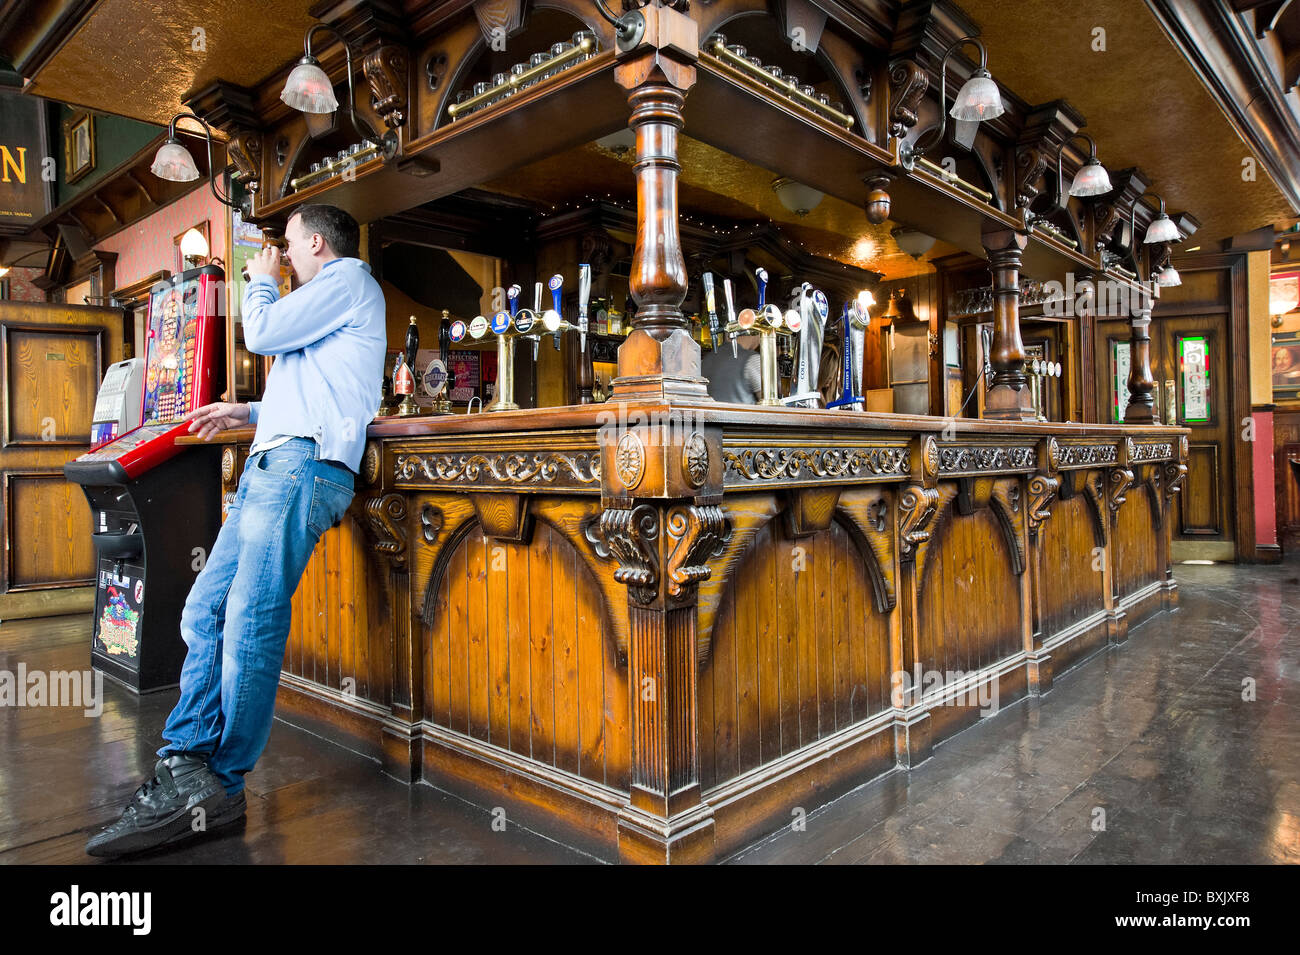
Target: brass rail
[(955, 179), (790, 89), (329, 168), (517, 80)]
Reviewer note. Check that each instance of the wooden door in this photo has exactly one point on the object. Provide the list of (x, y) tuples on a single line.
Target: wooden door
[(1194, 392), (52, 359)]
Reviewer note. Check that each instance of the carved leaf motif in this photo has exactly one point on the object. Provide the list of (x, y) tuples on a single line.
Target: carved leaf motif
[(1076, 454), (630, 536), (698, 534), (907, 85), (778, 463), (385, 515), (543, 467), (983, 458), (916, 506), (1042, 490)]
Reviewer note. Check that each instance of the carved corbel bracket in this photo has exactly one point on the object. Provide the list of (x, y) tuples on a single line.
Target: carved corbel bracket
[(1111, 209), (696, 534), (386, 517), (631, 537), (870, 511), (245, 150), (387, 70), (916, 508), (1118, 481), (1094, 489), (1042, 491), (908, 84), (1046, 128), (1174, 473)]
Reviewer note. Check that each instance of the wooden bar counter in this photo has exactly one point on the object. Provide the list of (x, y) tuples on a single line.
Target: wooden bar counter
[(658, 630)]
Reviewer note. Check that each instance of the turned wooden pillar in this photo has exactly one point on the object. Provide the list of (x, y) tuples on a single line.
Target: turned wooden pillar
[(660, 359), (1008, 395), (1141, 383), (1083, 366)]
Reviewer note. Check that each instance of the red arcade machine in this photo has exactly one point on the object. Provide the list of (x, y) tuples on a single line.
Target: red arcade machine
[(157, 505)]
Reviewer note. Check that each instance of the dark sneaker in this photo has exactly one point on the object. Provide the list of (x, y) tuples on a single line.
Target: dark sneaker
[(231, 810), (163, 808)]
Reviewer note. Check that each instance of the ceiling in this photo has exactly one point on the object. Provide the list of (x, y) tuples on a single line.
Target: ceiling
[(1144, 104), (715, 186)]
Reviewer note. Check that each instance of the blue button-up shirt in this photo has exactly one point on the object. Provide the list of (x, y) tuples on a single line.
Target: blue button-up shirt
[(330, 338)]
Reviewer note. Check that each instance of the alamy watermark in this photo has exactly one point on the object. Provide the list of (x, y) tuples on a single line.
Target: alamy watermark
[(1105, 298), (75, 688), (954, 687)]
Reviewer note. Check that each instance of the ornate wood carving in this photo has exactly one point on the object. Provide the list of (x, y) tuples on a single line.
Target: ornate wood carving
[(1007, 503), (1112, 209), (1154, 479), (696, 534), (984, 458), (1046, 128), (551, 469), (916, 508), (631, 536), (870, 512), (807, 464), (431, 521), (907, 86), (371, 461), (386, 514), (1087, 455), (1160, 451), (1042, 490), (387, 70), (245, 150), (1118, 481), (1174, 472)]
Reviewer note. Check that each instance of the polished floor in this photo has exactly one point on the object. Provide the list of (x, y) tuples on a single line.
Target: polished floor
[(1181, 747)]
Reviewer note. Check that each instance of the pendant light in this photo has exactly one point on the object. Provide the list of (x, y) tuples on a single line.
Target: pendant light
[(1091, 178), (174, 163), (978, 100)]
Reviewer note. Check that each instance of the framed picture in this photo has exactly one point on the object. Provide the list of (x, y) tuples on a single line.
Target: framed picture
[(78, 146), (1286, 366)]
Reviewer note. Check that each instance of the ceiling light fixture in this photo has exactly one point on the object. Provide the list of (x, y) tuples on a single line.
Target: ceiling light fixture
[(1162, 228), (795, 196), (912, 241), (174, 163), (309, 90)]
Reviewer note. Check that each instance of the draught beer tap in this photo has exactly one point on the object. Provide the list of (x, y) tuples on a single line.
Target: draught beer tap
[(552, 320), (404, 381), (856, 318), (812, 308), (584, 296), (765, 321), (442, 391), (731, 316), (711, 309)]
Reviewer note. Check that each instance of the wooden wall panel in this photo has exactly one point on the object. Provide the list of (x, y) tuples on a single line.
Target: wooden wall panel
[(968, 605), (1134, 538), (47, 522), (519, 655), (332, 640), (1200, 505), (799, 652), (1066, 541)]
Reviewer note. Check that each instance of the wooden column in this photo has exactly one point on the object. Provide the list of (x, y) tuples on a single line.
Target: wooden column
[(660, 359), (1008, 396), (1083, 365), (1141, 384)]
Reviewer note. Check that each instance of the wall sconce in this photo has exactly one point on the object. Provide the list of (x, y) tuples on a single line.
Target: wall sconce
[(1168, 277), (912, 241), (977, 100), (1161, 229), (194, 248), (795, 196), (174, 163), (1090, 180), (309, 90)]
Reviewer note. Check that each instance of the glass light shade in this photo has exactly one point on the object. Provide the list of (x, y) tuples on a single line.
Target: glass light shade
[(866, 299), (914, 243), (193, 245), (797, 197), (1162, 229), (1091, 180), (978, 99), (1168, 277), (174, 163), (308, 89)]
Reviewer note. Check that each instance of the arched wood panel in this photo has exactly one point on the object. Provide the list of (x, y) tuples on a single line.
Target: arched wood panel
[(1136, 563), (799, 652), (519, 655), (340, 621), (968, 607), (1074, 583)]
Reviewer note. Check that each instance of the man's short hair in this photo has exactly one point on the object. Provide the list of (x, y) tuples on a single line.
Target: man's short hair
[(339, 230)]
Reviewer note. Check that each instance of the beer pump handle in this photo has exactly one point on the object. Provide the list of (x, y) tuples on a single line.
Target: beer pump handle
[(761, 275), (710, 305), (512, 294), (557, 291), (731, 315), (537, 312), (412, 343), (584, 296), (444, 347)]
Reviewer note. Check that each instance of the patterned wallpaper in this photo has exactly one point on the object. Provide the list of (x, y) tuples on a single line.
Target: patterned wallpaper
[(21, 288), (145, 247)]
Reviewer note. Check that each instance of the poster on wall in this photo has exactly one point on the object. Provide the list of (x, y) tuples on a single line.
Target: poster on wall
[(1194, 359), (1119, 369), (1286, 366), (465, 369)]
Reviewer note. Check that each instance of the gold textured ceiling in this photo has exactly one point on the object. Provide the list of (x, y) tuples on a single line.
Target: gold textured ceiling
[(716, 186), (138, 60), (1144, 104)]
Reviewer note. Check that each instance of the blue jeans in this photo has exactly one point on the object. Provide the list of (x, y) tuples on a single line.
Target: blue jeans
[(237, 616)]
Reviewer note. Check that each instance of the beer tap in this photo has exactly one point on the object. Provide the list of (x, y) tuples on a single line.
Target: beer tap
[(501, 326), (731, 316), (812, 308), (765, 321), (404, 383), (552, 320), (442, 396), (711, 309), (855, 318), (584, 296)]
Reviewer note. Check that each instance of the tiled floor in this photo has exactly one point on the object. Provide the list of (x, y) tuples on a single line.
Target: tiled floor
[(1156, 735)]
